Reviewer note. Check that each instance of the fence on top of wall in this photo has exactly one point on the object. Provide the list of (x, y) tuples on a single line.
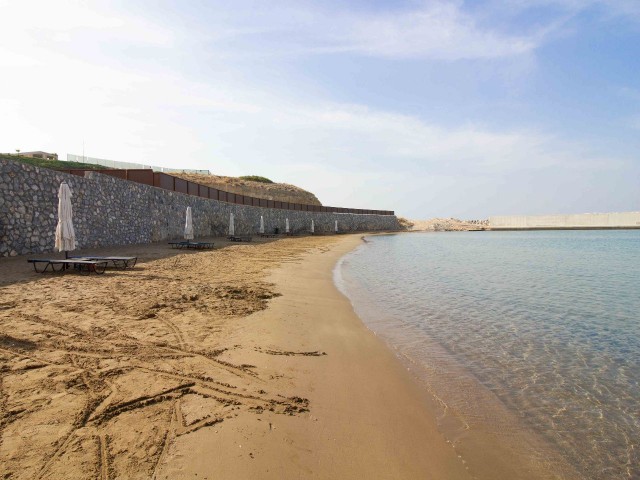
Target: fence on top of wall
[(109, 210), (169, 182)]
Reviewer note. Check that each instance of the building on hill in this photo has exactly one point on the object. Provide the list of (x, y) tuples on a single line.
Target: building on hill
[(45, 155)]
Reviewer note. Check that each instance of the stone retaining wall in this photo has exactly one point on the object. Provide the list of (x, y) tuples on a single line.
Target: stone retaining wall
[(109, 211)]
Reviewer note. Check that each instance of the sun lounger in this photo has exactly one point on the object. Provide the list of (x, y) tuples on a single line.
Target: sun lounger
[(268, 235), (199, 245), (194, 245), (236, 238), (78, 264), (118, 262)]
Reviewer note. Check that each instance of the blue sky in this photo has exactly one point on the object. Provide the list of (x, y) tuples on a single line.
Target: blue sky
[(430, 108)]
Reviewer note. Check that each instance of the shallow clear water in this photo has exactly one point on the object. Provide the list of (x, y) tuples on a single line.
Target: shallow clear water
[(548, 322)]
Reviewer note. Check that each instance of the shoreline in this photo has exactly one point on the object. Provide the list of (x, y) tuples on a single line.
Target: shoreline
[(245, 361), (491, 438), (238, 362), (367, 417)]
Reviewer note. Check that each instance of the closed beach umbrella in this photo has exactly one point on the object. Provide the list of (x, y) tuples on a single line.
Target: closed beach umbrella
[(188, 226), (65, 234), (336, 226), (232, 228), (312, 227), (261, 224), (286, 225)]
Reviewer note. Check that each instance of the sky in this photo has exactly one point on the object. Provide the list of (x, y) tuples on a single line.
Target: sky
[(438, 108)]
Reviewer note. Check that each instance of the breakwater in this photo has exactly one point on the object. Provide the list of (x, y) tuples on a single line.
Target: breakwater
[(111, 211), (572, 221)]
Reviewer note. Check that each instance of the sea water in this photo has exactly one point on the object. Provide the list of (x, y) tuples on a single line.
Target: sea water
[(547, 322)]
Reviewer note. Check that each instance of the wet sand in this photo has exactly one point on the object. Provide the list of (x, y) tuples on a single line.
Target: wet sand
[(240, 362)]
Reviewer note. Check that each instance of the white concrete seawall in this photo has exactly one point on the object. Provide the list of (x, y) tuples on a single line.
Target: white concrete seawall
[(577, 221)]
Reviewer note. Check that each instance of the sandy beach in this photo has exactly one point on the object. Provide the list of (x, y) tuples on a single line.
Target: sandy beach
[(240, 362)]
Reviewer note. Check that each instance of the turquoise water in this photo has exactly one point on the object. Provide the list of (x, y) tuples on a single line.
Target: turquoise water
[(547, 322)]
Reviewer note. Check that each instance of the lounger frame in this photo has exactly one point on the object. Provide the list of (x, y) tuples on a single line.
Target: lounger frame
[(82, 266), (121, 263), (193, 245)]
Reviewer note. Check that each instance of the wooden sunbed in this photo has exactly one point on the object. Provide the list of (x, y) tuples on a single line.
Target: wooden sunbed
[(121, 263), (77, 264), (269, 235), (239, 238), (194, 245)]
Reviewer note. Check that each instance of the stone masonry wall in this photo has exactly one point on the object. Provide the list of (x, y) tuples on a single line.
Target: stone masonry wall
[(109, 211)]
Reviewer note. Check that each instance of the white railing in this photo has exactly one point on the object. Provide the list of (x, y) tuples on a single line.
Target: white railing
[(128, 165)]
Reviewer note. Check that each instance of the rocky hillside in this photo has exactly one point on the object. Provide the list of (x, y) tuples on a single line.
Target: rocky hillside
[(282, 192), (444, 225)]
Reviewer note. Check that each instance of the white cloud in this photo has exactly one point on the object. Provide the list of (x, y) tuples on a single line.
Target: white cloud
[(630, 9), (32, 22), (439, 31), (54, 97), (338, 151)]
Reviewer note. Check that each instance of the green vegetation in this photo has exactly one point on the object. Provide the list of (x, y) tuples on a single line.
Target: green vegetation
[(52, 164), (256, 178)]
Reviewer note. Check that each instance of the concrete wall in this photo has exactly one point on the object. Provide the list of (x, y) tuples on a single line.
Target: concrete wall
[(110, 211), (585, 220)]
